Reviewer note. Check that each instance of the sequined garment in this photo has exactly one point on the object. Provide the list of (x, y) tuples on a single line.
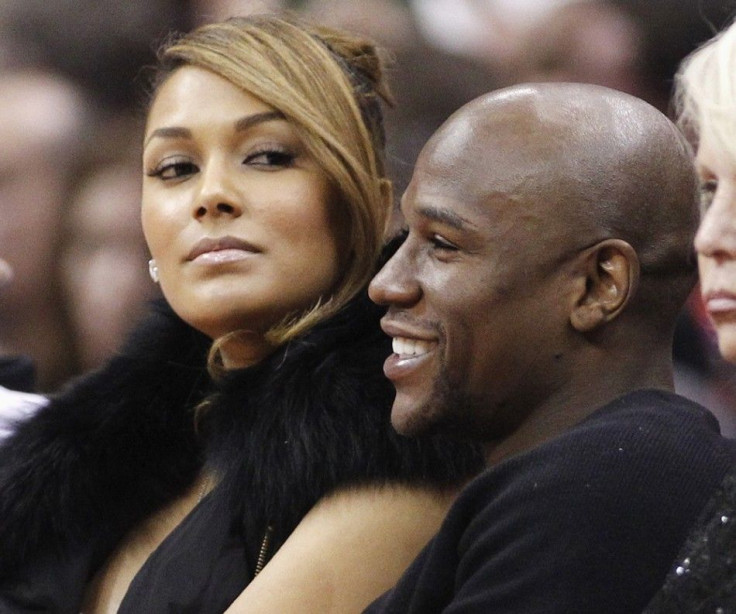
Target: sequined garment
[(703, 579)]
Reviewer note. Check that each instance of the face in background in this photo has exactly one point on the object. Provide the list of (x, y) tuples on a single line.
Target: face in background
[(40, 119), (473, 294), (235, 212), (43, 123), (716, 240), (104, 261)]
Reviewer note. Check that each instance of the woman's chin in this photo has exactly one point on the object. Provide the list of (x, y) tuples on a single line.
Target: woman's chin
[(727, 342)]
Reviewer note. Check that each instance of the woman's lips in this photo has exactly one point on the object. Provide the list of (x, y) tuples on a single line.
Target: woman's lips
[(720, 303), (222, 249)]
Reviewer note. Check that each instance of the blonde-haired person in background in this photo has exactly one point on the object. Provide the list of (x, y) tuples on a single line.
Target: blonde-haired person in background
[(703, 578), (149, 486)]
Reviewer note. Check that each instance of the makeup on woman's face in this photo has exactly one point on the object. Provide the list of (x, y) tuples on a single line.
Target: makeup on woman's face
[(715, 241), (235, 211)]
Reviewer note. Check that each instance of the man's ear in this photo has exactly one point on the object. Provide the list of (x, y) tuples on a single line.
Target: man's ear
[(611, 270)]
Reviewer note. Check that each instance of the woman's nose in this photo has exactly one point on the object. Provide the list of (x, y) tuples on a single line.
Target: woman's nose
[(217, 195), (716, 236)]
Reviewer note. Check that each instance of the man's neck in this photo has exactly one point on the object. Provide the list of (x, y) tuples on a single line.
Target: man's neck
[(566, 407)]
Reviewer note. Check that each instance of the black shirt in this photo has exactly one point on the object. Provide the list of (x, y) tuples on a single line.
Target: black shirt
[(588, 522)]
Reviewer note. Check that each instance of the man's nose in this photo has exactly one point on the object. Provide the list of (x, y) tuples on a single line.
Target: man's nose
[(397, 283)]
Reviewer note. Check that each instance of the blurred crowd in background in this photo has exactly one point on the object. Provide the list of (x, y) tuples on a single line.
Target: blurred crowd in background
[(73, 94)]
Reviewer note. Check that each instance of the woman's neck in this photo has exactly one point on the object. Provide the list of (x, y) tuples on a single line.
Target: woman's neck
[(243, 349)]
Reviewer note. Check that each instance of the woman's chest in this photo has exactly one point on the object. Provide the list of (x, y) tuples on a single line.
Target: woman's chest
[(108, 587)]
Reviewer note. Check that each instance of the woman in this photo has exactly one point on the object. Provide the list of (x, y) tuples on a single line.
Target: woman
[(703, 579), (149, 487)]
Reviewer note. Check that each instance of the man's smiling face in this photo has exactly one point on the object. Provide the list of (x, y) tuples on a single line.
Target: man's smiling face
[(474, 293)]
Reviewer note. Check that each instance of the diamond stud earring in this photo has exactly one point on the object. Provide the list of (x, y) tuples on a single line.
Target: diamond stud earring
[(153, 270)]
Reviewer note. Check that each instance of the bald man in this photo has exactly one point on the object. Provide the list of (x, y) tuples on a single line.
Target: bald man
[(532, 306)]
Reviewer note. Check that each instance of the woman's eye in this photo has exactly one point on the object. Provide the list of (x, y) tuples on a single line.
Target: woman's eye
[(270, 158), (173, 170), (707, 193)]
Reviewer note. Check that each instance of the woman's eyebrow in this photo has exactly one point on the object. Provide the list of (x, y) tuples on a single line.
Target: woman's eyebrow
[(257, 118), (179, 132), (170, 132)]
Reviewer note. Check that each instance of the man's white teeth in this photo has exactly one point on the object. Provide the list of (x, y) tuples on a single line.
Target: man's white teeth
[(410, 347)]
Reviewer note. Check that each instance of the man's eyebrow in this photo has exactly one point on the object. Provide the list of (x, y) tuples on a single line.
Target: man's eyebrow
[(178, 132), (444, 216)]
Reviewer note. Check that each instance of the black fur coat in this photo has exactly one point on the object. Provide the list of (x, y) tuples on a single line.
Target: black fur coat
[(119, 443)]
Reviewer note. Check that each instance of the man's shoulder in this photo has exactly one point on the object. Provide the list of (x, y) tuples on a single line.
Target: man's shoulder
[(641, 425), (658, 408), (648, 440)]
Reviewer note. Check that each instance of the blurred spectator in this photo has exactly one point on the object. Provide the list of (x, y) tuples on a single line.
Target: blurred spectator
[(103, 259), (67, 69), (204, 11), (585, 42), (486, 30), (671, 29), (645, 39), (43, 125), (99, 44)]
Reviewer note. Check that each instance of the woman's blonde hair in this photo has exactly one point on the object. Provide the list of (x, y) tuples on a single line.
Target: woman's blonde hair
[(705, 94), (327, 84)]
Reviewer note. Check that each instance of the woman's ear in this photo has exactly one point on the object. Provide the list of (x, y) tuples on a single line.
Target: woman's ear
[(611, 269)]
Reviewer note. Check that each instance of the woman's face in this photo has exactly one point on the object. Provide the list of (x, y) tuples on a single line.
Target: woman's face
[(716, 241), (235, 211)]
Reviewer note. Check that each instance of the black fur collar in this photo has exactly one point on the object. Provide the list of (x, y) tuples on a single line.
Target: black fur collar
[(119, 443), (107, 451)]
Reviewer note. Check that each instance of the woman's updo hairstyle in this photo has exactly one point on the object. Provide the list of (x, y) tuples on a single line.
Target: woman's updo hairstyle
[(327, 84)]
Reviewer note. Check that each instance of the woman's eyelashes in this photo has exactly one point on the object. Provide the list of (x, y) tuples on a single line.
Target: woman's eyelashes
[(707, 192), (267, 158), (271, 157), (172, 168)]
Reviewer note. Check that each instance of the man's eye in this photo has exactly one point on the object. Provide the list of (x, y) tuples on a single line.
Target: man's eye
[(440, 242)]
